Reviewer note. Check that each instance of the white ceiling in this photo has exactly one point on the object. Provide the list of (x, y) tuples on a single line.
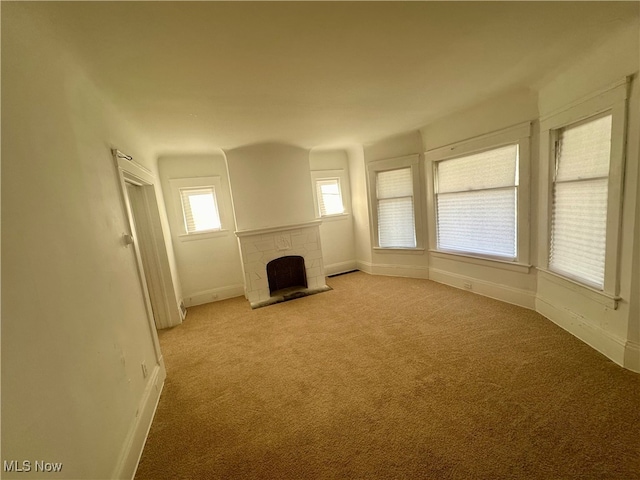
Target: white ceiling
[(201, 75)]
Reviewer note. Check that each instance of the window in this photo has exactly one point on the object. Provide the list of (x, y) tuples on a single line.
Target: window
[(200, 209), (396, 224), (394, 202), (479, 198), (476, 203), (582, 149), (329, 197), (579, 209)]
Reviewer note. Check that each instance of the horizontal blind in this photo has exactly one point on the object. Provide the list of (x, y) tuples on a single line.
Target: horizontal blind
[(200, 209), (329, 197), (477, 203), (396, 218), (580, 193), (491, 169), (480, 222)]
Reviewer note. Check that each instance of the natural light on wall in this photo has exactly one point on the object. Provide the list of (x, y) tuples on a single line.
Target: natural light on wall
[(200, 209)]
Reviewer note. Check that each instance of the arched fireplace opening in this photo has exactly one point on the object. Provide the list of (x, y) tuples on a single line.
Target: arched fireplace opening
[(286, 273)]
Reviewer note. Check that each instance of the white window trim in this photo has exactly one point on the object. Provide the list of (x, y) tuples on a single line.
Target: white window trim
[(519, 134), (194, 182), (612, 99), (412, 161), (343, 182)]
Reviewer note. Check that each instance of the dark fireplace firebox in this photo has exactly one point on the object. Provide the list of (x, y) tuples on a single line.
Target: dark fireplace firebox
[(286, 272)]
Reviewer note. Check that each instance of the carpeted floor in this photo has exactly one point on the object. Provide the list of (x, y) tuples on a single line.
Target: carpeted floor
[(388, 378)]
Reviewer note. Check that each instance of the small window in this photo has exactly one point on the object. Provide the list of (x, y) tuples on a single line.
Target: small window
[(200, 209), (329, 197), (395, 208), (477, 203), (580, 194)]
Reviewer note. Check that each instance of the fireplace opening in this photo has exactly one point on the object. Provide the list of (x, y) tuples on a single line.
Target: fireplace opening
[(286, 273)]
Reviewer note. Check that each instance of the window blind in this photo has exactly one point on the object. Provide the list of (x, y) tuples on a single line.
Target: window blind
[(580, 192), (477, 203), (200, 209), (396, 219), (329, 197)]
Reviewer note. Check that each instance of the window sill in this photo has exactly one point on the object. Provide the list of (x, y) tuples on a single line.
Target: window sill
[(188, 237), (333, 218), (408, 251), (487, 262), (603, 298)]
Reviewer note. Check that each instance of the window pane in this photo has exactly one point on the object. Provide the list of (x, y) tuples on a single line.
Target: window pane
[(578, 230), (200, 209), (329, 197), (396, 227), (482, 222), (583, 151), (394, 183), (491, 169)]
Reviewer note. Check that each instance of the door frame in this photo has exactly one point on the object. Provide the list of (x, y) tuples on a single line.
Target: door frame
[(129, 171)]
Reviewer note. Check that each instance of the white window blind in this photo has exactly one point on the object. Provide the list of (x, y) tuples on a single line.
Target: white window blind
[(329, 197), (580, 192), (200, 209), (396, 220), (476, 203)]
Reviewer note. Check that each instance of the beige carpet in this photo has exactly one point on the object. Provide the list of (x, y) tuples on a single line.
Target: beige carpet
[(388, 378)]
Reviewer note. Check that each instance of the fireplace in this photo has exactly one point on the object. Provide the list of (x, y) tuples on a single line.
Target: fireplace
[(286, 272), (303, 273)]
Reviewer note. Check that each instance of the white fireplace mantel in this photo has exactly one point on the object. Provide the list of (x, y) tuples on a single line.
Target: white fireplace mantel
[(259, 246), (283, 228)]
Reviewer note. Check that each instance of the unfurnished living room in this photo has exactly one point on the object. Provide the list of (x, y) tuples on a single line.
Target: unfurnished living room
[(320, 240)]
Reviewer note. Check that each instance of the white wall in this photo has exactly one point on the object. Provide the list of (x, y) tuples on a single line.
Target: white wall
[(613, 332), (394, 261), (336, 233), (510, 108), (209, 265), (360, 206), (74, 324), (271, 185)]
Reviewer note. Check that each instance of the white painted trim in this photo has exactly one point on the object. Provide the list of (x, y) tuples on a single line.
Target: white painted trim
[(484, 261), (612, 99), (610, 346), (373, 168), (365, 267), (261, 231), (586, 106), (602, 298), (489, 140), (504, 293), (405, 251), (139, 430), (340, 267), (519, 134), (632, 356), (213, 295)]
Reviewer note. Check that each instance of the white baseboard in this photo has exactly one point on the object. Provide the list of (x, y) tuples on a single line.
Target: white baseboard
[(213, 295), (393, 270), (137, 436), (594, 336), (342, 267), (632, 356), (504, 293)]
